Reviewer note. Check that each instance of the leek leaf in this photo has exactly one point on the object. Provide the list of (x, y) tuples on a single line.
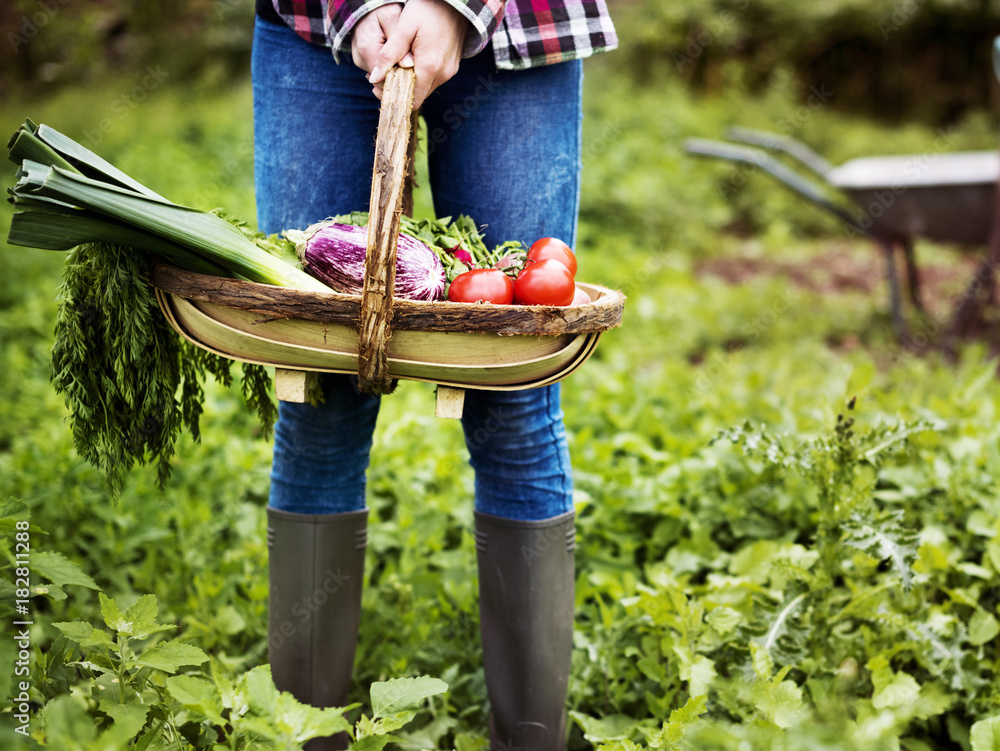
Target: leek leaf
[(206, 234), (47, 145), (54, 227), (130, 383)]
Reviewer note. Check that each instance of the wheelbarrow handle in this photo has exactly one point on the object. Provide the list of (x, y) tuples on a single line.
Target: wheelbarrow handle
[(777, 142), (996, 57), (777, 169)]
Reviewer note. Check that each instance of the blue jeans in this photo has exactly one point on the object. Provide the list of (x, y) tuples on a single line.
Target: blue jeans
[(502, 147)]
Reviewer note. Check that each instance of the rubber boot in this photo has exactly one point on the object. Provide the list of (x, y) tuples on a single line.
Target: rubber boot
[(316, 568), (526, 590)]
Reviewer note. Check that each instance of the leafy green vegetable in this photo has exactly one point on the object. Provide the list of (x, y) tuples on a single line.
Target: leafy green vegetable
[(130, 383), (680, 540), (394, 704), (458, 242), (71, 176)]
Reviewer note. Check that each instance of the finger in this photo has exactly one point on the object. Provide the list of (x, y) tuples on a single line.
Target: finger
[(420, 93), (388, 18), (363, 53), (371, 33), (430, 75), (357, 56), (391, 53), (422, 87)]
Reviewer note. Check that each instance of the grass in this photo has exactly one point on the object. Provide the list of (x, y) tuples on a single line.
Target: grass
[(676, 528)]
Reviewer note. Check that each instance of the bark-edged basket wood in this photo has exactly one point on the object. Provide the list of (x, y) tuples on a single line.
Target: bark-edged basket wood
[(381, 338)]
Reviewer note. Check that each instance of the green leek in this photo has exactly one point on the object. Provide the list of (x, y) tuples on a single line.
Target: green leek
[(52, 226), (131, 384), (208, 235), (57, 170)]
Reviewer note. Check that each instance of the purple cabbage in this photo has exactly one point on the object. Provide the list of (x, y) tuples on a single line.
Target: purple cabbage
[(335, 254)]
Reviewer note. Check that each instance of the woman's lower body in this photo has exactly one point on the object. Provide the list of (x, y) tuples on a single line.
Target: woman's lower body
[(504, 148)]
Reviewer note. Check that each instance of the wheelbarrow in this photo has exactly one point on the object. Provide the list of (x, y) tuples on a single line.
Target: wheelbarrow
[(947, 197)]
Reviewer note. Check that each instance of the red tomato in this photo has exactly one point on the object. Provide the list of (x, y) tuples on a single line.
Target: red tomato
[(482, 285), (550, 247), (546, 282)]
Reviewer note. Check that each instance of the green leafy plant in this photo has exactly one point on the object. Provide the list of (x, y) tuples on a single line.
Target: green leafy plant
[(785, 635), (126, 680), (109, 328), (866, 620), (139, 696), (394, 705)]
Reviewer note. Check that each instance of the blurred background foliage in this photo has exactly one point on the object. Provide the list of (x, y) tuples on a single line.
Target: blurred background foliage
[(52, 44), (847, 77), (891, 60), (744, 303)]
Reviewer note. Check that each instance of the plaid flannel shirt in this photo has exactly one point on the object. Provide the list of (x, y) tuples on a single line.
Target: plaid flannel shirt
[(524, 33)]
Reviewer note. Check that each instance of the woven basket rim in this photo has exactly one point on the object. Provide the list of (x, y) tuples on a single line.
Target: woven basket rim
[(603, 313)]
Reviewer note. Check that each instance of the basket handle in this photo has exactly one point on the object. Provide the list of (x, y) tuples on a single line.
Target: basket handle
[(388, 180)]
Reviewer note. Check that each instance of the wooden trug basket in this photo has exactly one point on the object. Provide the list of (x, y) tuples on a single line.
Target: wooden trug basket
[(455, 345)]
